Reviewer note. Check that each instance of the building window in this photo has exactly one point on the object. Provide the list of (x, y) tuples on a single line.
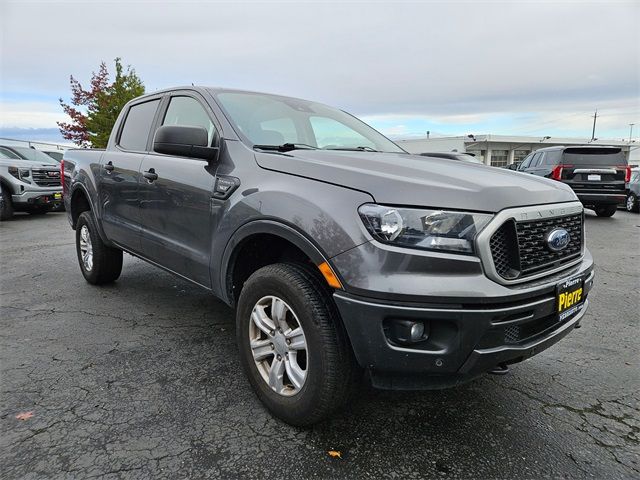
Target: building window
[(499, 158), (519, 155)]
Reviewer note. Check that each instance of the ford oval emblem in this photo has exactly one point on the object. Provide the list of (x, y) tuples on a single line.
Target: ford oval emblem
[(558, 239)]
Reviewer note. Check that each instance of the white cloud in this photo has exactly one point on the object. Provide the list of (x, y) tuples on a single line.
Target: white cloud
[(30, 114)]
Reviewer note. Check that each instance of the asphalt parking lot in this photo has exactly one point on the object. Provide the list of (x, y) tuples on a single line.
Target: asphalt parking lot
[(141, 379)]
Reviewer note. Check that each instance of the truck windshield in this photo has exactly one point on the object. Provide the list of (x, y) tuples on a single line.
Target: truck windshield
[(269, 120), (34, 155), (594, 156)]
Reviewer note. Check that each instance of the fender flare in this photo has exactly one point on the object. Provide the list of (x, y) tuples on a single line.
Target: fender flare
[(268, 226), (74, 189)]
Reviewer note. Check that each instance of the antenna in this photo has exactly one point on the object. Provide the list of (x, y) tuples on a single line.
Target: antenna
[(593, 132)]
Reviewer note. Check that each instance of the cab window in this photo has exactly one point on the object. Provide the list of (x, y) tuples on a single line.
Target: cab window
[(137, 125)]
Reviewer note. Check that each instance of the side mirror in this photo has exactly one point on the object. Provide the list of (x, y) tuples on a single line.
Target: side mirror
[(183, 141)]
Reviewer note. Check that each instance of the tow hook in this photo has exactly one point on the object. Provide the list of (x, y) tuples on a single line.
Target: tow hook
[(501, 369)]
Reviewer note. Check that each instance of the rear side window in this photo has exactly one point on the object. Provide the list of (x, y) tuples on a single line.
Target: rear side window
[(539, 160), (187, 111), (551, 158), (137, 125), (594, 156), (534, 160)]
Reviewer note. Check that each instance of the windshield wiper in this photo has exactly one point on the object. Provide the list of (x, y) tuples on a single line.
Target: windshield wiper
[(354, 149), (286, 147)]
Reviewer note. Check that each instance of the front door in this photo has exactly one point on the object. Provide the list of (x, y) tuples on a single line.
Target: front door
[(175, 199)]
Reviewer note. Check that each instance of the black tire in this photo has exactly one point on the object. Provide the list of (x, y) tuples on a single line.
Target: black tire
[(107, 261), (6, 205), (606, 210), (332, 373), (632, 203)]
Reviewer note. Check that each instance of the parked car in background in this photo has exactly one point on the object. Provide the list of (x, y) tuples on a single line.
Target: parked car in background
[(341, 252), (55, 154), (28, 185), (513, 166), (597, 174), (465, 157), (633, 191)]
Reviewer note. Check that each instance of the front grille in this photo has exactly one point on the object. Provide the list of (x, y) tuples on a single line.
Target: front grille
[(520, 249), (49, 177)]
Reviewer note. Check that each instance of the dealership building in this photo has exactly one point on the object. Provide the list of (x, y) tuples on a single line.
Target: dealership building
[(501, 150)]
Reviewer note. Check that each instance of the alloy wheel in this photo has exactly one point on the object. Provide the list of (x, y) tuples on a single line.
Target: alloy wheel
[(278, 345), (86, 249)]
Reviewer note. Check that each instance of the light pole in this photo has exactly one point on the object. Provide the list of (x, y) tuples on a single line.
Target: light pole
[(631, 131)]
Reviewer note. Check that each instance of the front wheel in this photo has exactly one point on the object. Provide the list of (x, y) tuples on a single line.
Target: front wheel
[(292, 345), (632, 203), (99, 263), (606, 210)]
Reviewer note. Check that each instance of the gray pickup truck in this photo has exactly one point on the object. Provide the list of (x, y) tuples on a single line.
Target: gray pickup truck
[(342, 254), (29, 182)]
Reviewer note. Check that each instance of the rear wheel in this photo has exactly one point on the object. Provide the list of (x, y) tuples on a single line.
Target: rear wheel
[(99, 263), (6, 205), (292, 345), (606, 210), (632, 203)]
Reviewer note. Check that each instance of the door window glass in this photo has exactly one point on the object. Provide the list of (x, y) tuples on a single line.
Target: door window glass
[(188, 112), (137, 126), (539, 160)]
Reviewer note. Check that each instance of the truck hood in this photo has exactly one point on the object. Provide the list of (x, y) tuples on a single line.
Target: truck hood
[(11, 162), (413, 180)]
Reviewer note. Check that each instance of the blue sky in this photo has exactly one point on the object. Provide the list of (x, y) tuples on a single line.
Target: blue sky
[(404, 67)]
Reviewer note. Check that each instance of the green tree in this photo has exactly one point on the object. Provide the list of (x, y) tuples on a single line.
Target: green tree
[(94, 112)]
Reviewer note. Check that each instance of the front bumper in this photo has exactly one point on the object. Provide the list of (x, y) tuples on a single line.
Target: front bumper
[(467, 337), (52, 198)]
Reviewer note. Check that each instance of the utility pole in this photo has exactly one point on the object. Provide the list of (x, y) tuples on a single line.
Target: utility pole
[(593, 132), (631, 131)]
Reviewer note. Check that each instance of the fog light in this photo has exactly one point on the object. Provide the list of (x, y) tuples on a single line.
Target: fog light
[(409, 331)]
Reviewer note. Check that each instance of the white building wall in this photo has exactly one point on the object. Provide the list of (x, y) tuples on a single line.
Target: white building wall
[(422, 145)]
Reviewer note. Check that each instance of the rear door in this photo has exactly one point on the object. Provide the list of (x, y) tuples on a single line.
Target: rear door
[(176, 206), (594, 170), (120, 174)]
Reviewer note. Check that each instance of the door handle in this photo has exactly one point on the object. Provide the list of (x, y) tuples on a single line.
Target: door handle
[(150, 175), (109, 166)]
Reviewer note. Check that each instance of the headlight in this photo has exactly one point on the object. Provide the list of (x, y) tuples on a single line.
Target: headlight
[(22, 174), (424, 229)]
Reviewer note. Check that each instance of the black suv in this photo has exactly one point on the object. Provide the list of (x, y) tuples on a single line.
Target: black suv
[(597, 174)]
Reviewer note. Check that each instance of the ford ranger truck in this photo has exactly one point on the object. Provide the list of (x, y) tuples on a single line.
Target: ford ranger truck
[(341, 254)]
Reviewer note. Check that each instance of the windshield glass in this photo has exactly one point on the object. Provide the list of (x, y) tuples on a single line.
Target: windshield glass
[(6, 153), (271, 120), (34, 155)]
